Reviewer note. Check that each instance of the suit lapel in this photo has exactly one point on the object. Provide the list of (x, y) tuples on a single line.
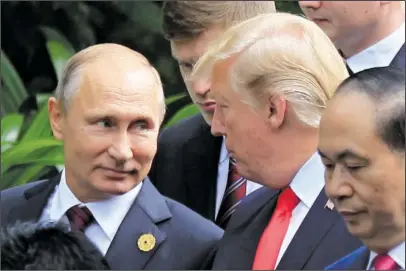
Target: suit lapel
[(361, 259), (399, 60), (148, 209), (201, 158), (248, 227), (34, 201), (309, 235)]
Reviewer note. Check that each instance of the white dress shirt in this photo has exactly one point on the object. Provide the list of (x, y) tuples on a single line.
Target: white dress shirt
[(222, 177), (307, 185), (380, 54), (108, 213), (397, 254)]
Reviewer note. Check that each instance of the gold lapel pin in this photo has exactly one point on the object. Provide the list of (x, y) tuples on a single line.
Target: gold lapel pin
[(146, 242), (329, 205)]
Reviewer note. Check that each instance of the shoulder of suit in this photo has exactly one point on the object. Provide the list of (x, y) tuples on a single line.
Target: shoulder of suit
[(347, 260), (18, 191), (193, 225), (185, 129)]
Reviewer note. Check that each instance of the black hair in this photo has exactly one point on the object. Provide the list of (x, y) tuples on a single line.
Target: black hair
[(385, 87), (51, 246)]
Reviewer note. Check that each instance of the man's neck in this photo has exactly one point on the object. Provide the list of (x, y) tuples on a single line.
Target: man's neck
[(366, 39)]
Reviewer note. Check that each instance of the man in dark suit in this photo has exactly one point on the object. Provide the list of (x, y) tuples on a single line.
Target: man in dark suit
[(108, 107), (362, 145), (271, 78), (368, 33), (192, 166)]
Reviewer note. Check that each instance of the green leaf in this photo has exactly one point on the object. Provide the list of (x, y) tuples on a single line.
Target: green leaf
[(10, 128), (14, 89), (40, 126), (22, 174), (186, 111), (41, 151), (29, 174), (174, 98), (59, 48)]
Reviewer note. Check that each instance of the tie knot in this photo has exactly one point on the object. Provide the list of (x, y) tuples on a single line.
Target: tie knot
[(385, 262), (79, 217), (287, 200)]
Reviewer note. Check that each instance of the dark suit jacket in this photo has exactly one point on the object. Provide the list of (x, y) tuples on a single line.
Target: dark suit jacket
[(321, 239), (356, 260), (184, 240), (399, 60), (185, 166)]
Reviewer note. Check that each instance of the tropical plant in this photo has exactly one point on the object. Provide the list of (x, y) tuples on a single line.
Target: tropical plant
[(28, 148)]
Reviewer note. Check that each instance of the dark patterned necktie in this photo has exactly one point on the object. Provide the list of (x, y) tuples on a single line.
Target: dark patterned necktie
[(79, 217), (235, 191)]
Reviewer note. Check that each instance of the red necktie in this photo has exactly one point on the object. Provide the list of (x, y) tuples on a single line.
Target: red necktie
[(385, 262), (79, 217), (272, 238), (235, 191)]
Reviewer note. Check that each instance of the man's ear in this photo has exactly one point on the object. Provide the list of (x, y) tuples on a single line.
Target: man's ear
[(276, 111), (55, 117)]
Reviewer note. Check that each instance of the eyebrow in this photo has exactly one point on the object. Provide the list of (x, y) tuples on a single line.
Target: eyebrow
[(342, 155)]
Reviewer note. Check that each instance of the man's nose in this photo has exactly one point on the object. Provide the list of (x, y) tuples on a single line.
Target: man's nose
[(121, 149), (337, 185), (309, 4), (217, 126), (201, 86)]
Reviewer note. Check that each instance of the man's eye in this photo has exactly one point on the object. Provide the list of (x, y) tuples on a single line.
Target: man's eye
[(329, 166), (353, 168), (104, 123), (141, 125), (186, 66)]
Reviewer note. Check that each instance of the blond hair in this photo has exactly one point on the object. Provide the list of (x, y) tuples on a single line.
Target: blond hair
[(187, 19), (279, 54)]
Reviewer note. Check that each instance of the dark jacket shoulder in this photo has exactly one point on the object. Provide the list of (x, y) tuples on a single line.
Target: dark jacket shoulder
[(185, 129)]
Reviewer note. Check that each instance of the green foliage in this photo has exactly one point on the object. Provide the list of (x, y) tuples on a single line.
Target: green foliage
[(27, 153), (13, 90)]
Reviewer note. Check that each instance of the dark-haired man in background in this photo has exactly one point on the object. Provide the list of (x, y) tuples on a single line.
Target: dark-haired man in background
[(362, 145), (192, 166)]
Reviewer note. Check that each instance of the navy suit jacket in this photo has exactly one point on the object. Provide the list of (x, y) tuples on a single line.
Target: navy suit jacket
[(321, 239), (399, 60), (184, 239), (356, 260)]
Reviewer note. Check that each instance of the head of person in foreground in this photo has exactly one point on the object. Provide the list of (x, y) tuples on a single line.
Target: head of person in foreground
[(48, 246)]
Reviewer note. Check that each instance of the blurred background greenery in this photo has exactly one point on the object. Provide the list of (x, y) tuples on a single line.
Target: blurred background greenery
[(37, 39)]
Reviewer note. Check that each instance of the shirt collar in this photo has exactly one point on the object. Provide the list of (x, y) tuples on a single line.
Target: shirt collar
[(109, 213), (223, 152), (309, 181), (397, 254), (381, 54)]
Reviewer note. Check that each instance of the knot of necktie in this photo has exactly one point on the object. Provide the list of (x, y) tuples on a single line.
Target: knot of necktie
[(79, 217), (287, 200), (385, 262)]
